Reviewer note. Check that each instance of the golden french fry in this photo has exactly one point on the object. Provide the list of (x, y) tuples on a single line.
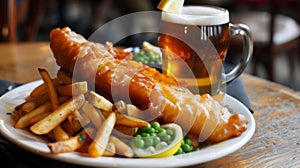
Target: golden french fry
[(38, 91), (19, 106), (97, 147), (75, 122), (25, 120), (68, 145), (36, 114), (48, 123), (127, 121), (72, 89), (37, 118), (99, 101), (50, 135), (60, 134), (122, 148), (90, 133), (124, 132), (51, 88), (120, 107), (135, 112), (31, 104), (92, 114), (17, 112), (131, 121), (110, 149), (64, 77), (41, 89)]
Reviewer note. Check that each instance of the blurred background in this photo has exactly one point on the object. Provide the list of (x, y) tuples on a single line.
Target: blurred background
[(274, 24)]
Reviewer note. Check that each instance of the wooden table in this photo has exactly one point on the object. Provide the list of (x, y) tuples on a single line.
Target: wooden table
[(276, 142), (19, 61)]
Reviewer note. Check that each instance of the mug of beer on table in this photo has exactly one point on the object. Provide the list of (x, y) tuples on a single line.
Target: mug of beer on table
[(194, 44)]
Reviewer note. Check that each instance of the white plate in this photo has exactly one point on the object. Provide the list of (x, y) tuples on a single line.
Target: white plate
[(35, 144)]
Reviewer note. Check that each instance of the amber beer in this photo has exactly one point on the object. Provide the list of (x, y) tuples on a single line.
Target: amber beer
[(194, 45)]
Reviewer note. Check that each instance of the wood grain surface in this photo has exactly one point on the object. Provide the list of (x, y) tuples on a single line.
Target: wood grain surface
[(19, 62)]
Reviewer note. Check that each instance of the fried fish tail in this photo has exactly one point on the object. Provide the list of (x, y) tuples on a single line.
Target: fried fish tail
[(197, 114), (158, 95)]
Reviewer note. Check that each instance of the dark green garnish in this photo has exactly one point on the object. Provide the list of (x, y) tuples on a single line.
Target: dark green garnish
[(81, 137), (179, 90)]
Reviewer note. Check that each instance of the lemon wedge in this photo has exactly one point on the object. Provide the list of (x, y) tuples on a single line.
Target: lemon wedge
[(171, 6), (162, 149)]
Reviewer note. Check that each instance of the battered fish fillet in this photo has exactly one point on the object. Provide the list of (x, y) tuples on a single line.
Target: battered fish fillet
[(112, 72)]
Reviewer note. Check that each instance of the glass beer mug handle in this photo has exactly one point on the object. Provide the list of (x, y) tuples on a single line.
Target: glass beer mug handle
[(244, 31)]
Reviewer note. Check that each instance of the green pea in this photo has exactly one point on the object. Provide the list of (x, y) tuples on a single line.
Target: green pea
[(141, 59), (138, 136), (155, 125), (187, 148), (170, 132), (147, 57), (152, 56), (156, 140), (151, 130), (188, 141), (145, 128), (179, 151), (145, 134), (182, 142), (140, 143), (167, 138), (148, 141), (161, 131), (162, 134), (151, 62)]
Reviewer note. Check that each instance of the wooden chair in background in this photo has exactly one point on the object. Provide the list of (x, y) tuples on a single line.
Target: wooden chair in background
[(8, 20), (27, 12), (273, 32)]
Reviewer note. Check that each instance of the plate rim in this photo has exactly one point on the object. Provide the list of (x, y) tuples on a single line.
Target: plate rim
[(173, 161)]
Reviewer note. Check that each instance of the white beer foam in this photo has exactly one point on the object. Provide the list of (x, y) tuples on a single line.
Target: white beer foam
[(198, 15)]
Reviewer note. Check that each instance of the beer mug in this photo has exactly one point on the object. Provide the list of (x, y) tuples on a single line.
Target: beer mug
[(194, 45)]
